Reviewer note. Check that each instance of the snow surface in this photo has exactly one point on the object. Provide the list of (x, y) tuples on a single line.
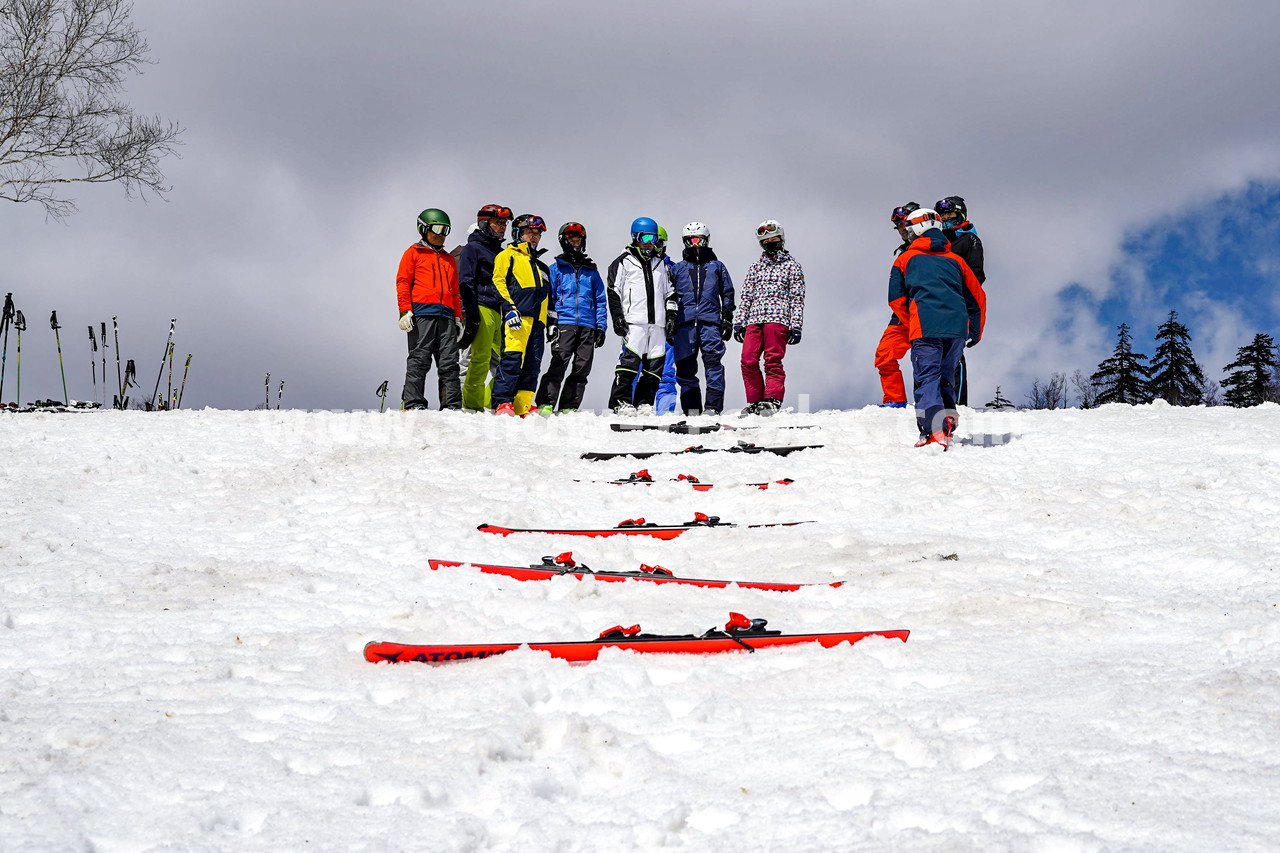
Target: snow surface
[(1093, 663)]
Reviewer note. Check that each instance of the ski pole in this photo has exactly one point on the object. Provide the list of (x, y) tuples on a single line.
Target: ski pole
[(93, 361), (168, 394), (130, 379), (183, 389), (53, 321), (382, 395), (19, 323), (5, 321), (168, 342), (266, 383), (280, 395), (115, 329), (104, 363)]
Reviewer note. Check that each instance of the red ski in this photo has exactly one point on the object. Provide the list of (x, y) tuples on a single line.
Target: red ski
[(644, 478), (564, 564), (636, 527), (738, 634)]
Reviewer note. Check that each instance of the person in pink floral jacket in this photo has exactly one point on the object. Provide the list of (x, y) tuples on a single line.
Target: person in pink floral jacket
[(770, 316)]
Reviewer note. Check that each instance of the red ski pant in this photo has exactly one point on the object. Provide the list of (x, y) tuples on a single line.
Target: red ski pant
[(894, 344), (767, 340)]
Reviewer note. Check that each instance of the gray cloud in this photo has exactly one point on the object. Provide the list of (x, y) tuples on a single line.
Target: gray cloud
[(317, 131)]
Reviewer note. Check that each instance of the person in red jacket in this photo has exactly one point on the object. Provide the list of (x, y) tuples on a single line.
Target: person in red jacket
[(937, 297), (431, 312), (894, 342)]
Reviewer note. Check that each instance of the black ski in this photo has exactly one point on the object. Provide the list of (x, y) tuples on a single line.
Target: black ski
[(740, 447), (686, 428)]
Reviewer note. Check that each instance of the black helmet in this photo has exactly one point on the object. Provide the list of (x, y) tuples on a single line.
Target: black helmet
[(901, 212), (569, 229), (523, 221), (952, 204)]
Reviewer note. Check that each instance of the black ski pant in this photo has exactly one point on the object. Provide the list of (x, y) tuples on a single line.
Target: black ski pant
[(432, 338), (627, 388), (574, 350)]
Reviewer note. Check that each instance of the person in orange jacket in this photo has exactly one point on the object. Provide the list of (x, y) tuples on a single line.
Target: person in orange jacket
[(937, 297), (431, 312), (894, 342)]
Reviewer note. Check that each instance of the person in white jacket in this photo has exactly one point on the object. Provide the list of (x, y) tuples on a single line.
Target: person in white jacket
[(642, 305)]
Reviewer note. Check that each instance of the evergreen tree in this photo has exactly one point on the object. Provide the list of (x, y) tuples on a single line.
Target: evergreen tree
[(1249, 382), (1000, 402), (1176, 377), (1122, 378)]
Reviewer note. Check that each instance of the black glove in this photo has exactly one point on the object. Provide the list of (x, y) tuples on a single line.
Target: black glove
[(553, 331), (726, 325), (671, 325), (620, 326), (972, 341), (793, 336), (599, 338), (468, 335), (739, 333)]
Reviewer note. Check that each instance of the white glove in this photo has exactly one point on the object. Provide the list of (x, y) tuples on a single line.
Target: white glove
[(457, 321), (406, 321)]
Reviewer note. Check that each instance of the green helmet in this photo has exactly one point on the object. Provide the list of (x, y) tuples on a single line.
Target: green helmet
[(662, 240), (433, 219)]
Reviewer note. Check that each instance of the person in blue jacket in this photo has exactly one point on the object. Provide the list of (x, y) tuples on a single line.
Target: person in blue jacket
[(583, 311), (704, 320)]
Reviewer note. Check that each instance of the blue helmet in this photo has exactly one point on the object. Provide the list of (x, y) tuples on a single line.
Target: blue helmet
[(643, 225)]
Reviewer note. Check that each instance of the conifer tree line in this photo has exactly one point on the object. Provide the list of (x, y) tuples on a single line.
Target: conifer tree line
[(1173, 375)]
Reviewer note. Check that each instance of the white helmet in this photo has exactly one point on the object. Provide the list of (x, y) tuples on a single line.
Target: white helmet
[(920, 221), (769, 229), (696, 229)]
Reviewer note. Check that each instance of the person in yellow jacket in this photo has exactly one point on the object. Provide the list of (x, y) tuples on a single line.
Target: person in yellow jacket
[(523, 283)]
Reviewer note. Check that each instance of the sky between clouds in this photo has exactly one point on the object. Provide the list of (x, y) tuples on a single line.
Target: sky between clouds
[(316, 131)]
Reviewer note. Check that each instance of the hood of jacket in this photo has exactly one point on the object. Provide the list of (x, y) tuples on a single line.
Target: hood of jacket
[(484, 234), (932, 241)]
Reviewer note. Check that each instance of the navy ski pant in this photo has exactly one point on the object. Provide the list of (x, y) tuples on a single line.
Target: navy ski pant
[(933, 365), (691, 339)]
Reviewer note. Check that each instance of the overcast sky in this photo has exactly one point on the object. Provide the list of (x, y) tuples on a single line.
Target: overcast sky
[(316, 131)]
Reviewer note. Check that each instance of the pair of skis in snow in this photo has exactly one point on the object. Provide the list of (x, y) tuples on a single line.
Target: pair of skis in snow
[(644, 478), (739, 633), (636, 527), (740, 447)]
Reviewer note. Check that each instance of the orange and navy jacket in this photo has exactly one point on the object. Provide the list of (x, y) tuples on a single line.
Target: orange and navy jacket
[(427, 283), (933, 291), (523, 282)]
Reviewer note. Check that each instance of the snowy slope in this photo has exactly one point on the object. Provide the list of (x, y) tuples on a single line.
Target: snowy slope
[(1092, 666)]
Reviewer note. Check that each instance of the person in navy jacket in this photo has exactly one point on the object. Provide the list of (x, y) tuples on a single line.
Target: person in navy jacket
[(704, 320), (583, 311)]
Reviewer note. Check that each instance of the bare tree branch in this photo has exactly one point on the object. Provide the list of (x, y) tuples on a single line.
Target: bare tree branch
[(62, 65)]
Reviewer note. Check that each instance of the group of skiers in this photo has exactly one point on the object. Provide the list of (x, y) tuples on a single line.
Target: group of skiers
[(939, 308), (484, 312)]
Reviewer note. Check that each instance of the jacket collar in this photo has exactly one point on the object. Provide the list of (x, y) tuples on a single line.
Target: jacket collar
[(932, 241)]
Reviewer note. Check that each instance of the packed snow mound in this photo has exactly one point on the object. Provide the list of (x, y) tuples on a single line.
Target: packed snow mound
[(184, 597)]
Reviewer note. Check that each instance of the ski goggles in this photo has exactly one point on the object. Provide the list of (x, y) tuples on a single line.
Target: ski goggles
[(493, 211), (696, 240), (574, 229), (437, 228), (920, 218), (646, 239), (767, 228), (901, 213), (535, 222)]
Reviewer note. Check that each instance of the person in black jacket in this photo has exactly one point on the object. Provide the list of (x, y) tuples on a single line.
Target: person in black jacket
[(480, 301), (964, 242)]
